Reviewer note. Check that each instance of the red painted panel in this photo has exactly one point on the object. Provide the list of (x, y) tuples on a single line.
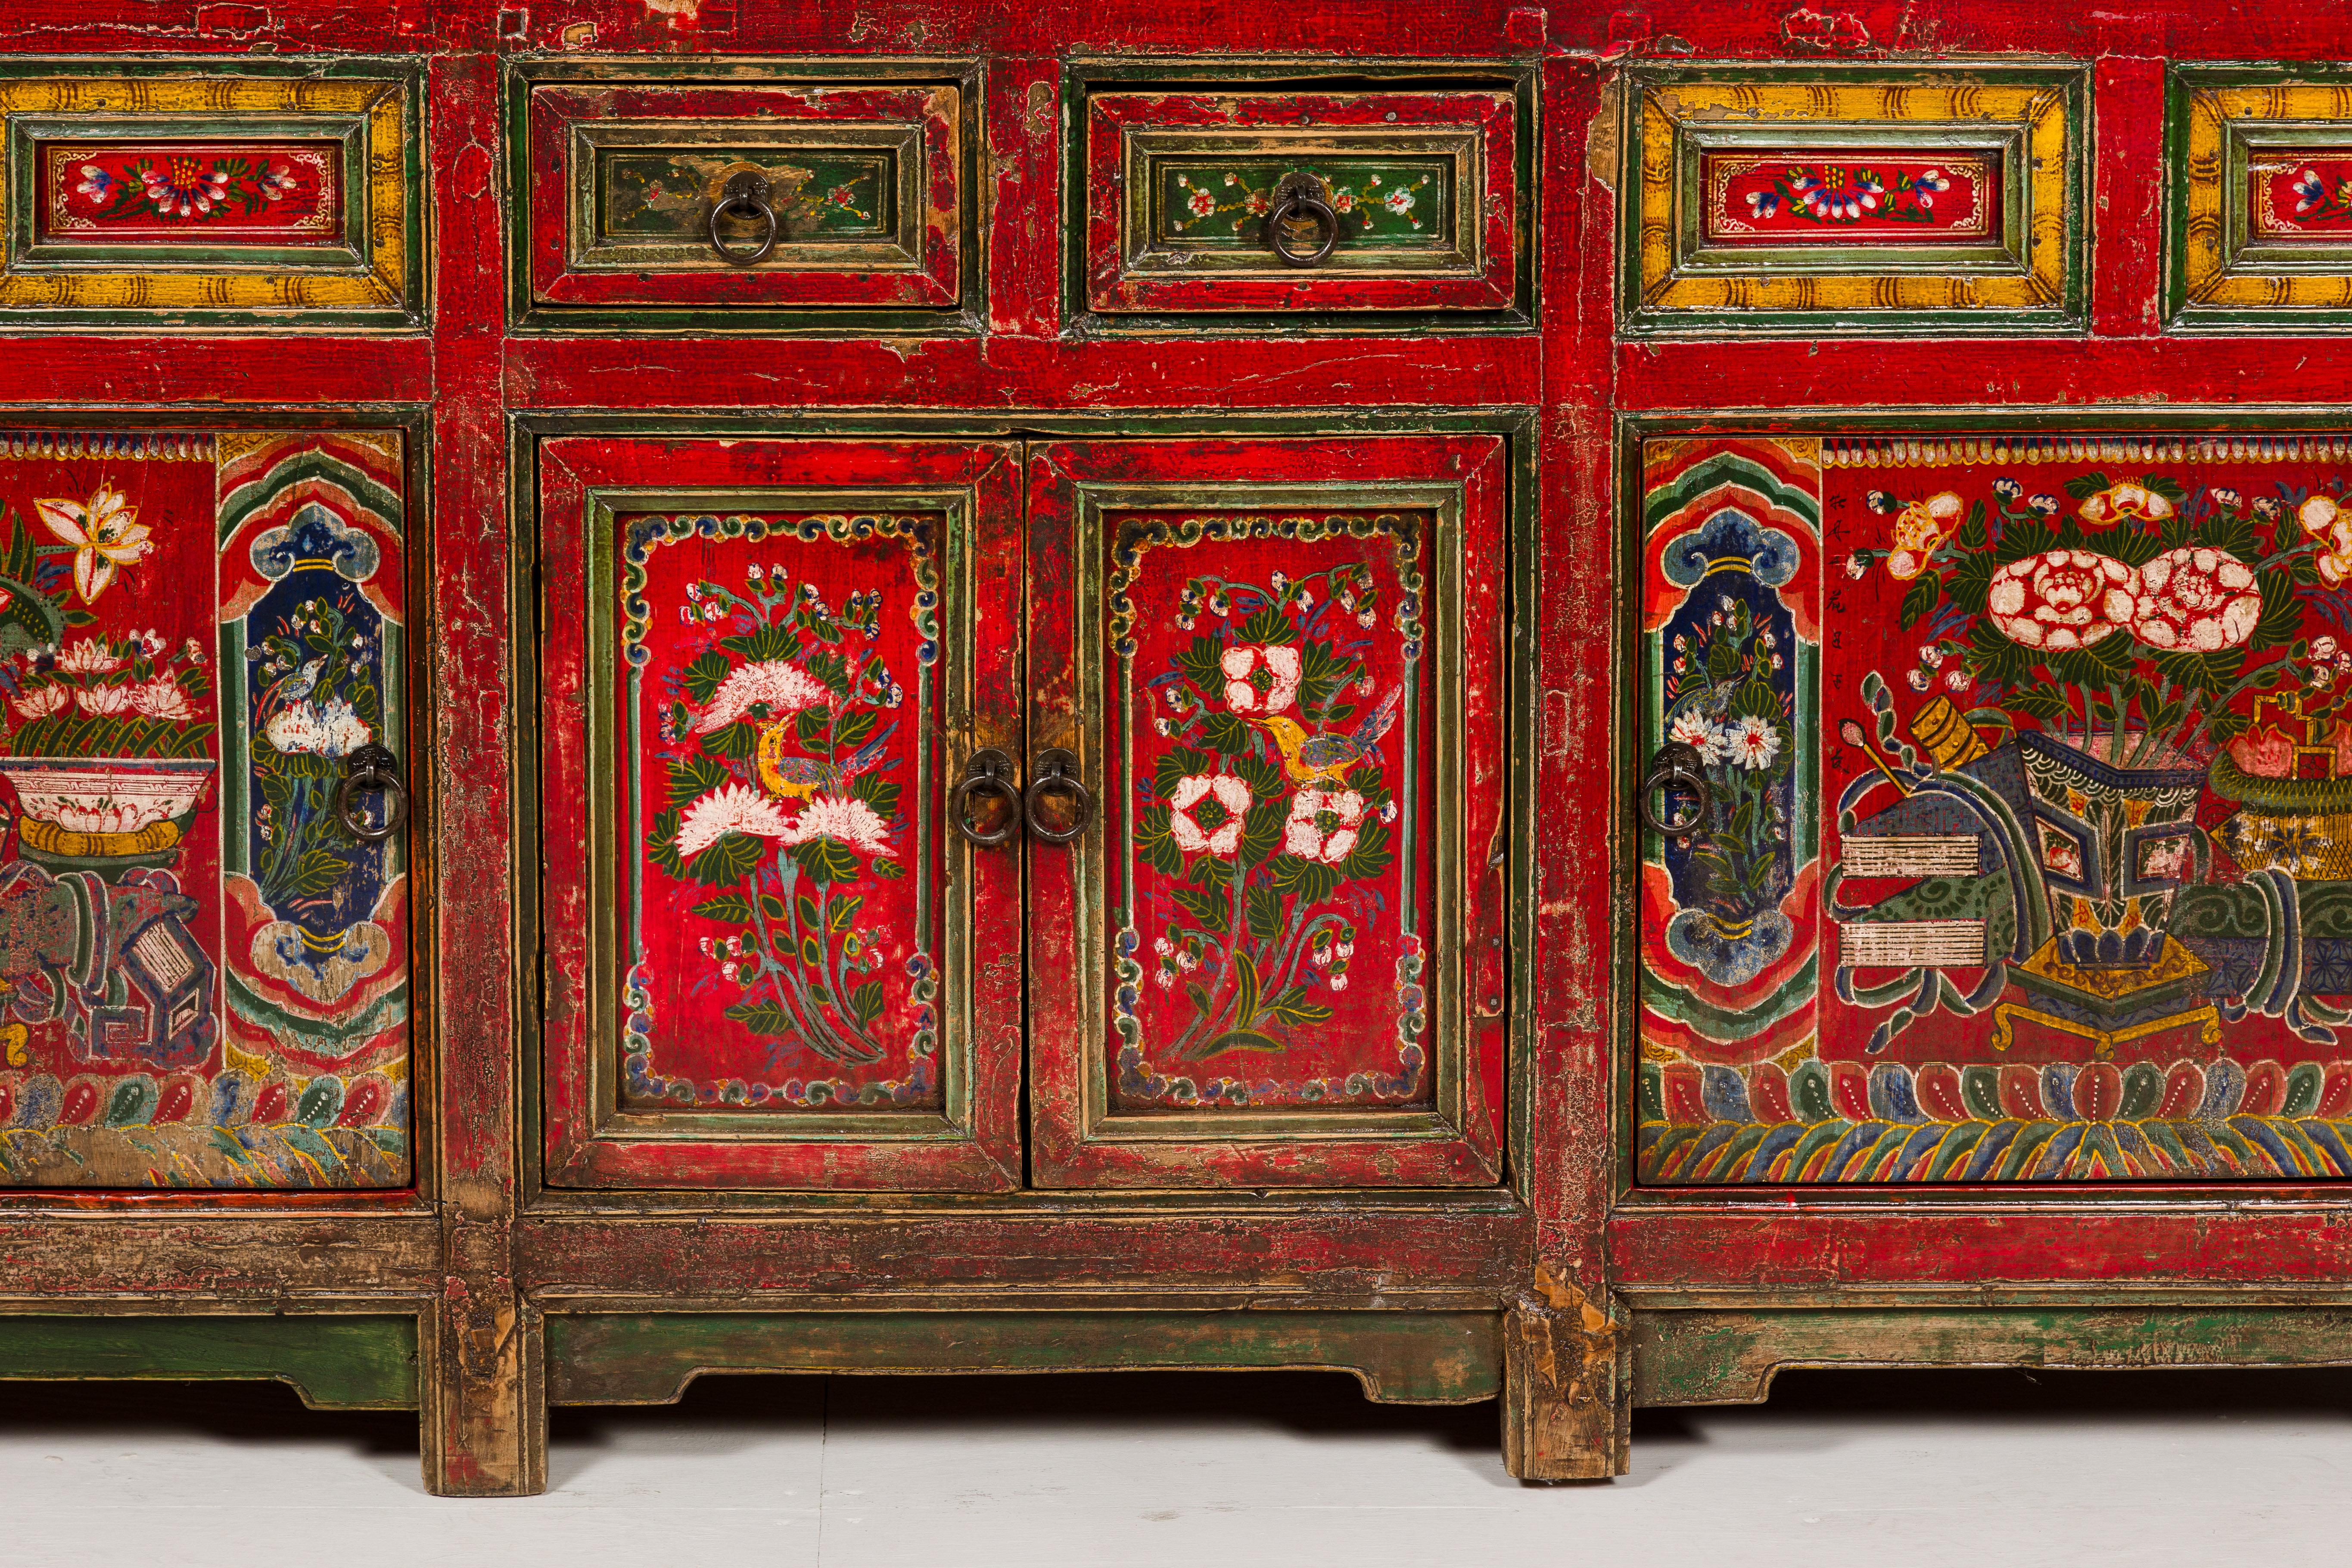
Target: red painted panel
[(1847, 198), (190, 193), (1283, 771), (2306, 198), (724, 1032)]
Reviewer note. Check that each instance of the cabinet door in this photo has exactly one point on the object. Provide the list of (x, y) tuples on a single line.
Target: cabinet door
[(2012, 807), (771, 961), (204, 932), (1275, 954)]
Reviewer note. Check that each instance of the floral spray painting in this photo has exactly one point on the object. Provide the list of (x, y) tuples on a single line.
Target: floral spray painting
[(202, 967), (2026, 846)]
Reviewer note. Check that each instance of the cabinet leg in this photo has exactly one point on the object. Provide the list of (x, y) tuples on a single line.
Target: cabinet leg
[(483, 1389), (1567, 1386)]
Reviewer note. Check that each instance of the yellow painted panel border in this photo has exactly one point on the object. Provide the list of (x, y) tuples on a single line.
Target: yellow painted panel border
[(2213, 279), (2040, 109), (381, 102)]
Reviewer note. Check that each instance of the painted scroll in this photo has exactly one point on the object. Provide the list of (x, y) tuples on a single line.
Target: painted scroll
[(2058, 884)]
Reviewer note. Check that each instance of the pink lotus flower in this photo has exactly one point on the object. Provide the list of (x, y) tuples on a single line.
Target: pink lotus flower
[(786, 688), (88, 656), (43, 700), (160, 700), (1260, 678), (103, 702)]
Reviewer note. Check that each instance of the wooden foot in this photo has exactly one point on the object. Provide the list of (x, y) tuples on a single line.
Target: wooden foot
[(1567, 1386), (484, 1390)]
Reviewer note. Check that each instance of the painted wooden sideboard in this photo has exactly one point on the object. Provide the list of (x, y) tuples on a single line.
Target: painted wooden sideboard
[(1551, 704)]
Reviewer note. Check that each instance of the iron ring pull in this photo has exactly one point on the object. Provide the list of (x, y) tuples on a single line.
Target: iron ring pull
[(990, 771), (1057, 773), (1301, 195), (1676, 767), (747, 191), (371, 769)]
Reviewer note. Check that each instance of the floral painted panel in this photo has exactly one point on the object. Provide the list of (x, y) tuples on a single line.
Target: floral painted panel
[(1391, 201), (780, 847), (204, 975), (2301, 198), (2081, 789), (821, 194), (232, 193), (1783, 198), (1273, 802)]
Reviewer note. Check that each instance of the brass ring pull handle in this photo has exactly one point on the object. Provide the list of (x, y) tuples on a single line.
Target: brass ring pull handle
[(1676, 767), (371, 769), (1057, 773), (988, 772), (750, 192), (1298, 196)]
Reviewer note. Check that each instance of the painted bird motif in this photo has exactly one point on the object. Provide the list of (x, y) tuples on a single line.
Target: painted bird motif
[(797, 778), (292, 688), (1309, 758)]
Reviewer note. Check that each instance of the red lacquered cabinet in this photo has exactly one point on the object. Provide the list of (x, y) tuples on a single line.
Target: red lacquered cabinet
[(1551, 706)]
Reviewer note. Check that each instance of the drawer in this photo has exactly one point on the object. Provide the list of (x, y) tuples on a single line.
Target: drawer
[(208, 196), (1295, 203), (718, 199)]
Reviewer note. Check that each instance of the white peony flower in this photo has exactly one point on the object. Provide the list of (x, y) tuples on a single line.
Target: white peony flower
[(1208, 813), (1324, 824), (844, 819), (1243, 665)]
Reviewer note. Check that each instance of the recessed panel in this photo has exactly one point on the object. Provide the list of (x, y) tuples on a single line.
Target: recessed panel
[(2006, 841)]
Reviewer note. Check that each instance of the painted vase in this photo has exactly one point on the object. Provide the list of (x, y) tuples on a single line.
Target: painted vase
[(2117, 839)]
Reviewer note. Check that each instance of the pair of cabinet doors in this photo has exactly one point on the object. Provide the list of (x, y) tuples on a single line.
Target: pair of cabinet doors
[(967, 814)]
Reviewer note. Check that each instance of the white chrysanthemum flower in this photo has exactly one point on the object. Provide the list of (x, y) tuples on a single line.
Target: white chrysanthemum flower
[(844, 819), (784, 688), (730, 808)]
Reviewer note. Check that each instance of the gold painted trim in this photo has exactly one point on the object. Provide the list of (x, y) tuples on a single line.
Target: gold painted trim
[(2210, 269), (380, 102), (2041, 111)]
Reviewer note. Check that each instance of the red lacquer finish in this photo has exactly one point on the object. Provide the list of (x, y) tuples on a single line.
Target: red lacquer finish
[(708, 128), (762, 914), (210, 192), (1136, 217), (1292, 704)]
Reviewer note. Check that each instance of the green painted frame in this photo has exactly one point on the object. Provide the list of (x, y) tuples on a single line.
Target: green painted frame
[(362, 1361), (1081, 78), (1401, 1357), (526, 315), (603, 510)]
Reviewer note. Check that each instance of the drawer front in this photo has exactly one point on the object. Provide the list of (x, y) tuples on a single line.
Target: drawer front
[(1405, 202), (204, 969), (1276, 956), (763, 663), (726, 199), (1865, 198), (209, 196), (2259, 160), (2030, 783)]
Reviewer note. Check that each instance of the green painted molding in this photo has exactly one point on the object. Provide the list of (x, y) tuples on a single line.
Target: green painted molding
[(648, 1358), (333, 1363), (1730, 1357)]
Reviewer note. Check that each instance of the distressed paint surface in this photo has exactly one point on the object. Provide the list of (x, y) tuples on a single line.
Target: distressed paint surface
[(207, 975), (1892, 198), (781, 855), (231, 193), (2073, 783)]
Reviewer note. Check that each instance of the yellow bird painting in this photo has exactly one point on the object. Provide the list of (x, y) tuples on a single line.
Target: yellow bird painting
[(1310, 758)]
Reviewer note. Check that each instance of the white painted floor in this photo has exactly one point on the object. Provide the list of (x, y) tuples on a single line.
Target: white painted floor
[(1206, 1471)]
